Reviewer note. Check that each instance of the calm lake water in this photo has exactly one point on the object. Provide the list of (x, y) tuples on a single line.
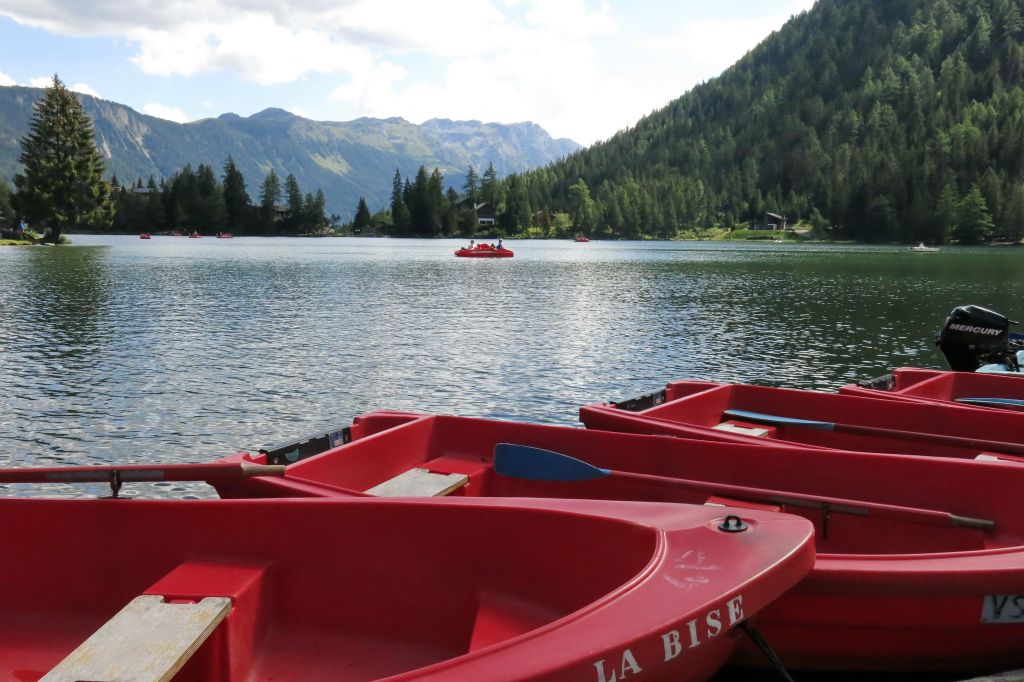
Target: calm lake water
[(117, 349)]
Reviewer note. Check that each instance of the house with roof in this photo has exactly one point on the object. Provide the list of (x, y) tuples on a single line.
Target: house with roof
[(770, 221)]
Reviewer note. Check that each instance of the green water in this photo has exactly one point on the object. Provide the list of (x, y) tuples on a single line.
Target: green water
[(119, 349)]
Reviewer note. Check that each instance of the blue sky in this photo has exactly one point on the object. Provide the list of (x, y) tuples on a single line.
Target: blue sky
[(582, 69)]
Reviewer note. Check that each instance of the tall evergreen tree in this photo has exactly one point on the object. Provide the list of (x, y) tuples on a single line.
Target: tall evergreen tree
[(973, 221), (295, 204), (471, 188), (399, 208), (489, 186), (236, 199), (62, 186), (362, 218)]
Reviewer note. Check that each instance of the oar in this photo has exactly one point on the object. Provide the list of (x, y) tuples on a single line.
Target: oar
[(992, 402), (116, 474), (938, 438), (537, 464)]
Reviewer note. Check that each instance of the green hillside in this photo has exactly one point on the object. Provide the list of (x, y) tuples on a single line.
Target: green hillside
[(875, 120), (346, 159)]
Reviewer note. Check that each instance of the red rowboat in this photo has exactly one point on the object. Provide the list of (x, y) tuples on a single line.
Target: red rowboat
[(889, 590), (144, 235), (999, 391), (484, 251), (368, 589), (195, 235), (741, 413)]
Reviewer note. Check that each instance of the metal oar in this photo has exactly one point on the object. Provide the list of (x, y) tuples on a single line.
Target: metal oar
[(537, 464)]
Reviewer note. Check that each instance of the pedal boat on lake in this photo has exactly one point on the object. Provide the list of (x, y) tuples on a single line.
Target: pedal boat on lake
[(484, 251), (363, 589), (892, 589)]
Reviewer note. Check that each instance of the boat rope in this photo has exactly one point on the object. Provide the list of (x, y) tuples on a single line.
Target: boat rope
[(766, 649)]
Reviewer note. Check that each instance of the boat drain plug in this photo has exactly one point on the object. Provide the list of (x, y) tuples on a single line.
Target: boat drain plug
[(732, 524)]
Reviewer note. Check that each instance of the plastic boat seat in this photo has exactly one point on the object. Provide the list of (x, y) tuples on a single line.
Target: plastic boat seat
[(148, 639), (418, 482)]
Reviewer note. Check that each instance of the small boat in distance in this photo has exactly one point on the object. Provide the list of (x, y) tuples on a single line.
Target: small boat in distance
[(484, 251), (921, 248), (177, 233), (224, 235), (145, 235), (581, 238), (195, 235)]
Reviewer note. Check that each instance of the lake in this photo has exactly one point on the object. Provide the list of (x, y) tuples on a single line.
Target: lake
[(118, 349)]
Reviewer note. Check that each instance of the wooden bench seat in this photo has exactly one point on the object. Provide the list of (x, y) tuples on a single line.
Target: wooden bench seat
[(743, 429), (147, 640), (419, 483)]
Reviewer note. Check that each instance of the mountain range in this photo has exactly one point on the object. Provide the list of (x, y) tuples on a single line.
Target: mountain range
[(346, 159)]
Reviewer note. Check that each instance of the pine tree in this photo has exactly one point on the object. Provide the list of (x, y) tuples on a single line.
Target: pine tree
[(62, 186), (399, 209), (295, 204), (362, 218), (973, 221), (488, 186), (471, 188), (236, 199)]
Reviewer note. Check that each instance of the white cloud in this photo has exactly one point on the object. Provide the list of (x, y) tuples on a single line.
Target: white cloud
[(299, 112), (40, 82), (6, 80), (561, 63), (165, 112)]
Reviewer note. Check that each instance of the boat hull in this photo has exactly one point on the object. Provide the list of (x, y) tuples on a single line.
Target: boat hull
[(918, 385), (883, 595), (484, 253), (403, 589), (695, 409)]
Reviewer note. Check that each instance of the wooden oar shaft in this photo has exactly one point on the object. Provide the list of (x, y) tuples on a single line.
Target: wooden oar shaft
[(937, 438), (931, 517), (139, 472)]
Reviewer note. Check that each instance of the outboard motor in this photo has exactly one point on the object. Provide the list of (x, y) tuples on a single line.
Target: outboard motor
[(974, 336)]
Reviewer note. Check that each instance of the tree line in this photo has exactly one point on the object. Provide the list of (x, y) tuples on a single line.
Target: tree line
[(197, 200), (62, 187), (419, 208)]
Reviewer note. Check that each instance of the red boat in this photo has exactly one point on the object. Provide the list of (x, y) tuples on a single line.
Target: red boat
[(144, 235), (581, 239), (485, 251), (360, 589), (889, 590), (998, 391), (195, 235), (224, 235), (740, 413)]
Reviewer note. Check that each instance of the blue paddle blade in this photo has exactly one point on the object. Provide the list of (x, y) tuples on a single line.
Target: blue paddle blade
[(991, 401), (537, 464), (778, 421)]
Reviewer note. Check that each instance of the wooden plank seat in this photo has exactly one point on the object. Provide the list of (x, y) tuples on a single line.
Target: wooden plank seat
[(147, 640), (743, 429), (418, 482)]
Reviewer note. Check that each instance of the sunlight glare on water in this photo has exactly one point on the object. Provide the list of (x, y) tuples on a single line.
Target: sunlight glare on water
[(117, 349)]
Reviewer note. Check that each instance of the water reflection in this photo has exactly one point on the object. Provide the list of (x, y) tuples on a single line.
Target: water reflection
[(182, 350)]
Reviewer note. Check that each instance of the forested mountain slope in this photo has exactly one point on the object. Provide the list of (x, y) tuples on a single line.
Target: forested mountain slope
[(875, 119)]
